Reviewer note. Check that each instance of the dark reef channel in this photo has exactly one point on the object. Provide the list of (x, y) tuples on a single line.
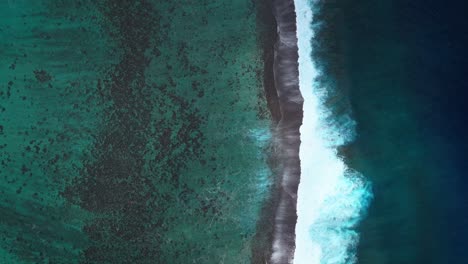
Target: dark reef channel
[(267, 36), (286, 76)]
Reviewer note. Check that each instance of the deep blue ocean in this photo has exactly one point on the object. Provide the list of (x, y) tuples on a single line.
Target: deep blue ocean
[(403, 65)]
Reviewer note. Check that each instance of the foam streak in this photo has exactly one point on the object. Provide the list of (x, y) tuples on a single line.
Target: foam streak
[(331, 197)]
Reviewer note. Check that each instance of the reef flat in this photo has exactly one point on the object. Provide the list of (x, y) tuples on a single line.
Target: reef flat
[(133, 131)]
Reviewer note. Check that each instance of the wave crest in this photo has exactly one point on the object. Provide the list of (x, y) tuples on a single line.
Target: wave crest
[(332, 198)]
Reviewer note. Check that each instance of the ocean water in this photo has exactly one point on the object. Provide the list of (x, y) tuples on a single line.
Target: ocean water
[(402, 67), (332, 197), (133, 131), (303, 131)]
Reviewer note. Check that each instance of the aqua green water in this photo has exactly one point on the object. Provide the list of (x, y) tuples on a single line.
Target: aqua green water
[(132, 131)]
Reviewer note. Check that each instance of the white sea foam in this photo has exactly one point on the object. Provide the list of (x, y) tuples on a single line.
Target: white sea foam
[(331, 197)]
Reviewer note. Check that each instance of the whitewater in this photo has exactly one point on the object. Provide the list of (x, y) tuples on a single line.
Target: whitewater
[(331, 198)]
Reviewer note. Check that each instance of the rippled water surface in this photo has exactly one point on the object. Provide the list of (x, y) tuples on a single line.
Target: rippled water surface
[(132, 131)]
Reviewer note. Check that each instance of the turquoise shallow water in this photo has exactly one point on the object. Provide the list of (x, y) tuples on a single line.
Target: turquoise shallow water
[(145, 132), (132, 131)]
